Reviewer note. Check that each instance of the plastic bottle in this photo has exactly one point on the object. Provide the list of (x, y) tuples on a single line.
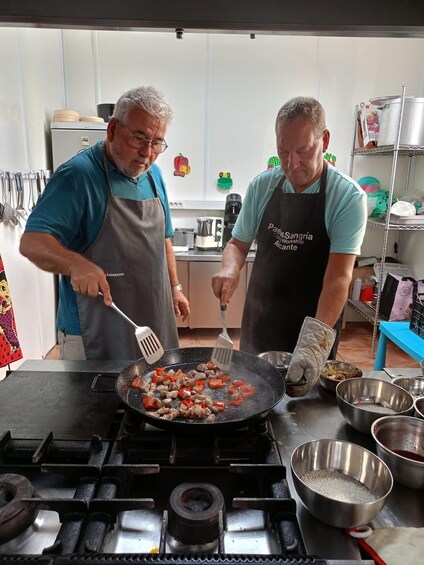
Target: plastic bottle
[(356, 289)]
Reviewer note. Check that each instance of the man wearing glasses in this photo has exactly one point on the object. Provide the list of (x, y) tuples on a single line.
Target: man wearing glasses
[(103, 223)]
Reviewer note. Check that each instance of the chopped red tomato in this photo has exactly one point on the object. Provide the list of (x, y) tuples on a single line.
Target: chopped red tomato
[(187, 402), (137, 382), (235, 386), (184, 392), (247, 390), (199, 386), (225, 378), (219, 405), (237, 400), (150, 402), (210, 365), (179, 374), (215, 382)]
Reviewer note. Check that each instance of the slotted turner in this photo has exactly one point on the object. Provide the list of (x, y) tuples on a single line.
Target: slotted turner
[(147, 340), (223, 350)]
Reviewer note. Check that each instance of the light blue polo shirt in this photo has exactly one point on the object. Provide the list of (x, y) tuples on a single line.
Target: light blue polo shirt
[(72, 209), (345, 208)]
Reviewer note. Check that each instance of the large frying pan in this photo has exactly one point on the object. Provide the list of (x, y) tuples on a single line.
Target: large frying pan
[(270, 388)]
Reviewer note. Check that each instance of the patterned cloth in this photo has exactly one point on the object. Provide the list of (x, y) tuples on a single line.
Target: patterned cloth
[(10, 349)]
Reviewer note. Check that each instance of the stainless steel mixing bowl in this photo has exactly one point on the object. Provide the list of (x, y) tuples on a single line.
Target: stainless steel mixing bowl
[(400, 444), (280, 359), (364, 400), (356, 464), (413, 385), (336, 371), (419, 407)]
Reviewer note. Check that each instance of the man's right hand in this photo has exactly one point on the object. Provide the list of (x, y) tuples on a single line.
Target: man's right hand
[(88, 279), (225, 282)]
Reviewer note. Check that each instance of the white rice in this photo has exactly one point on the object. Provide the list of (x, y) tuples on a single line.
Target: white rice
[(337, 486)]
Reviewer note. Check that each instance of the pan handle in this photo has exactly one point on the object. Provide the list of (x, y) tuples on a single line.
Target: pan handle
[(97, 386)]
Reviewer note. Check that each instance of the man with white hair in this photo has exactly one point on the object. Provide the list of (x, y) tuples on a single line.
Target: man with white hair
[(103, 223)]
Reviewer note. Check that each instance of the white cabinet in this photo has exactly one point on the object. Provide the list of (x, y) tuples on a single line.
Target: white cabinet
[(204, 305), (182, 273)]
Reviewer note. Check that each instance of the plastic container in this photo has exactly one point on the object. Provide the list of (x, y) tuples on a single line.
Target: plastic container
[(356, 289)]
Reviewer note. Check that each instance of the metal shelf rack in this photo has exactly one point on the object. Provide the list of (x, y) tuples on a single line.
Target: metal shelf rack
[(372, 312)]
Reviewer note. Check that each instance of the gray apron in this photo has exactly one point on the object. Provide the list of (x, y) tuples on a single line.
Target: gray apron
[(130, 248), (288, 270)]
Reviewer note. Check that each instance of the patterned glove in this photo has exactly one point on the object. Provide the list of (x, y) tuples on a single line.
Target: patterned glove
[(311, 352)]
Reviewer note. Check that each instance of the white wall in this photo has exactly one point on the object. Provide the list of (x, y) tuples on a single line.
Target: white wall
[(226, 91)]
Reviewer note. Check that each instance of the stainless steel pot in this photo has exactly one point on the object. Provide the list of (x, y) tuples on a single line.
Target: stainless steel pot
[(412, 131)]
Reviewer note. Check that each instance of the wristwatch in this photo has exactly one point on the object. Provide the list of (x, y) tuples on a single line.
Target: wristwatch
[(177, 287)]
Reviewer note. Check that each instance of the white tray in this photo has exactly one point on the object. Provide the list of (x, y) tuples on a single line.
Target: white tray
[(417, 220)]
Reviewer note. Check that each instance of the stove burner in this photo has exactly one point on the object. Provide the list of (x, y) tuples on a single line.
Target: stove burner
[(194, 513), (15, 517)]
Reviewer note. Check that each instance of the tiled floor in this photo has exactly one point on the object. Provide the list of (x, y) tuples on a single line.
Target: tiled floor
[(354, 346)]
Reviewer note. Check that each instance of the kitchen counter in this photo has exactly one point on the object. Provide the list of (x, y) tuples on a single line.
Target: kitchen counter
[(296, 421), (317, 416), (210, 255)]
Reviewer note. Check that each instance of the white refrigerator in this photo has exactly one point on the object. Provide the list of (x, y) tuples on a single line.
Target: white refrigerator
[(69, 138)]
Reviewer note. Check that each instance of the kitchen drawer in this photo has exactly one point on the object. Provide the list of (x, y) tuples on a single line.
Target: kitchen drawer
[(204, 305), (182, 272)]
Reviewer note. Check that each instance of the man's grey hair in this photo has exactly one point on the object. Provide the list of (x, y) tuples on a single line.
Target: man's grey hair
[(306, 107), (146, 98)]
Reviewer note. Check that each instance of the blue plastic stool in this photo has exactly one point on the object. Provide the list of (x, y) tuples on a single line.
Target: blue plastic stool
[(403, 337)]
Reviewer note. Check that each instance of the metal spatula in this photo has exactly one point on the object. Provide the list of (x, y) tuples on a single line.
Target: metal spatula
[(223, 350), (147, 340)]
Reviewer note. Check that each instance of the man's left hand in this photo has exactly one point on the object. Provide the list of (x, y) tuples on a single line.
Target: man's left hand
[(181, 305), (311, 352)]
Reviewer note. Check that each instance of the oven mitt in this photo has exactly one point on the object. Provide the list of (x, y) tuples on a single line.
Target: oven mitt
[(311, 352)]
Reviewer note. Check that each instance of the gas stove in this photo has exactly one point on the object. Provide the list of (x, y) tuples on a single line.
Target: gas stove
[(84, 479)]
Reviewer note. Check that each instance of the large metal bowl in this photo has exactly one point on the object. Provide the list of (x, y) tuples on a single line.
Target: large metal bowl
[(349, 468), (400, 444), (390, 400), (419, 407), (280, 359), (336, 371), (413, 385)]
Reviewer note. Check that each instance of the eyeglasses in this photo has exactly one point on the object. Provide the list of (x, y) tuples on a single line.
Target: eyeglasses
[(140, 142)]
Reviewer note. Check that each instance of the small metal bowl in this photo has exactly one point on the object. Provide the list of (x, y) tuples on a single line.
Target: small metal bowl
[(280, 359), (336, 371), (413, 385), (362, 401), (348, 468), (419, 407), (400, 444)]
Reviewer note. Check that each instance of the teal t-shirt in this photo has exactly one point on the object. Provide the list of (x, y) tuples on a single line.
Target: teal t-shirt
[(345, 208), (72, 209)]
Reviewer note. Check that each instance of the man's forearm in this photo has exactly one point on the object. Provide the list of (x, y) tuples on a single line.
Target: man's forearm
[(47, 253), (332, 301), (172, 263)]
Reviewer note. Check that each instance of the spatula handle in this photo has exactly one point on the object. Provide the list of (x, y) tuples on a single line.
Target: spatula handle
[(115, 307)]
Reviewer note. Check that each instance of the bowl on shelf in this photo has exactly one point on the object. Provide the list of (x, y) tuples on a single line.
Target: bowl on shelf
[(363, 400), (413, 385), (400, 444), (340, 483), (337, 371), (419, 407)]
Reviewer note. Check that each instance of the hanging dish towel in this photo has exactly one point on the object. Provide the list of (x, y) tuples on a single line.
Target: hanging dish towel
[(10, 349)]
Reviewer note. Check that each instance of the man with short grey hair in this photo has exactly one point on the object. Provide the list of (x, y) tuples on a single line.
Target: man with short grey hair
[(308, 220), (103, 223)]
